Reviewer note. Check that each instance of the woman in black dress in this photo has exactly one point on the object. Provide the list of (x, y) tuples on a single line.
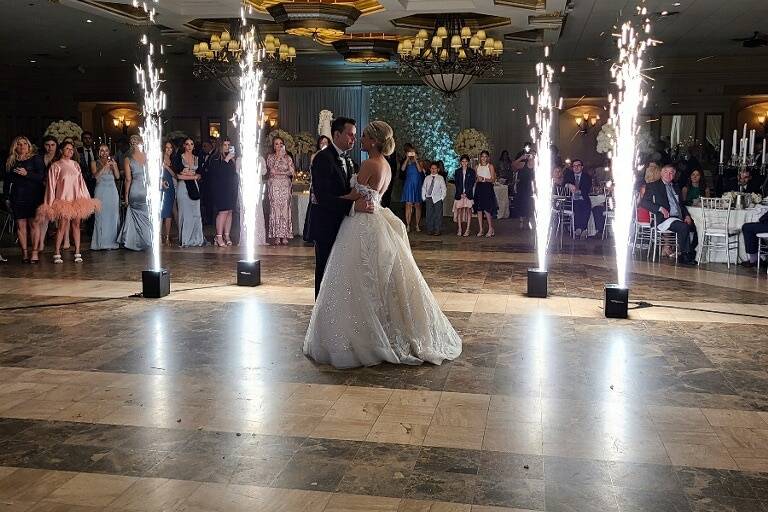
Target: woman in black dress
[(222, 173), (23, 186)]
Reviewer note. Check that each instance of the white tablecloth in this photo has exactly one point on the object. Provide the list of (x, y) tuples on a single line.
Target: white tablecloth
[(502, 198), (738, 218), (299, 203)]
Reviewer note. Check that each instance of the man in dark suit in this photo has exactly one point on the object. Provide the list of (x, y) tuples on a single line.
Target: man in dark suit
[(750, 230), (579, 183), (662, 198), (332, 169), (88, 155), (744, 182)]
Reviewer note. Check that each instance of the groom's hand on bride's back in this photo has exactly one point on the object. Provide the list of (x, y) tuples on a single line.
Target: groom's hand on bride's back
[(362, 205)]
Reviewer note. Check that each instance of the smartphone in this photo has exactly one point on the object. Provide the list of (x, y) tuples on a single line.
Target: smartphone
[(411, 154), (232, 150)]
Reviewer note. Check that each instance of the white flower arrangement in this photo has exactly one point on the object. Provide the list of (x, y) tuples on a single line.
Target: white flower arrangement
[(305, 143), (290, 143), (606, 139), (756, 198), (324, 123), (731, 196), (471, 142), (63, 129)]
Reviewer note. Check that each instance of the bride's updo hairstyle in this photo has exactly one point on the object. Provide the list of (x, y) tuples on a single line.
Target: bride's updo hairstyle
[(382, 134)]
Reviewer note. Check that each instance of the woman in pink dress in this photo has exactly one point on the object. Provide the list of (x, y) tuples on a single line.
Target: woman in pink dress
[(67, 200), (280, 172)]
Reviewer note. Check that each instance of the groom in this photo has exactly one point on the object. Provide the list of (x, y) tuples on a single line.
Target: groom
[(332, 169)]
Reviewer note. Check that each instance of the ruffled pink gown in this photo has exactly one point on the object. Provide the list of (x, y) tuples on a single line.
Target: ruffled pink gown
[(67, 196)]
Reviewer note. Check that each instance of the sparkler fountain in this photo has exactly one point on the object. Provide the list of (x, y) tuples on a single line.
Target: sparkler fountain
[(627, 72), (541, 134), (156, 280), (249, 113)]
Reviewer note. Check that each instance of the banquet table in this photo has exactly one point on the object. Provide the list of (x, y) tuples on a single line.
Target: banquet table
[(299, 203), (737, 219), (502, 198)]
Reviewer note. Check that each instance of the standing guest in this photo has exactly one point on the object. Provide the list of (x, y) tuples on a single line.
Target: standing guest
[(523, 199), (662, 198), (207, 152), (413, 173), (386, 197), (433, 192), (280, 172), (505, 169), (168, 210), (485, 204), (67, 200), (188, 197), (750, 230), (87, 157), (695, 188), (24, 189), (322, 143), (579, 184), (136, 234), (106, 226), (463, 199), (222, 176), (51, 146)]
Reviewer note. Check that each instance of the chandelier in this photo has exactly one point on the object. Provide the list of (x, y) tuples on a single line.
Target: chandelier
[(451, 57), (219, 59)]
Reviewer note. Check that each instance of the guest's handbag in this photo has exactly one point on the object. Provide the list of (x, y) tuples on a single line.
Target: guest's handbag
[(193, 189)]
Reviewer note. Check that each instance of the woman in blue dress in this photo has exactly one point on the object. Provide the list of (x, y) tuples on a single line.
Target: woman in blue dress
[(106, 226), (168, 211), (136, 234), (414, 177), (188, 197)]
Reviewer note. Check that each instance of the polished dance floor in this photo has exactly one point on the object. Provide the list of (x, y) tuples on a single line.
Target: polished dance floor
[(203, 401)]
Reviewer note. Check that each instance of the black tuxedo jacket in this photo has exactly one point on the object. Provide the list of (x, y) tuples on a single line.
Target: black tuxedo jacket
[(656, 197), (585, 183), (330, 180)]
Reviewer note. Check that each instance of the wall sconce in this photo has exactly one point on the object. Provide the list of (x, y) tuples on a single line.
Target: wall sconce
[(763, 122), (585, 122), (122, 123)]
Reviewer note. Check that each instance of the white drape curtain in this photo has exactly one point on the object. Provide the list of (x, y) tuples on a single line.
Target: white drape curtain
[(714, 129), (683, 126)]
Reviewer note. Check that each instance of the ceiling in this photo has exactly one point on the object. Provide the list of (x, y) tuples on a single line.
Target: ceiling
[(57, 32)]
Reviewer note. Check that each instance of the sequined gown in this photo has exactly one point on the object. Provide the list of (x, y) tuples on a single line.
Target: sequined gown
[(374, 305), (136, 234), (279, 194)]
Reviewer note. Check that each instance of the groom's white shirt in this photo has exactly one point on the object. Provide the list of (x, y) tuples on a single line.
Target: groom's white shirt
[(340, 154)]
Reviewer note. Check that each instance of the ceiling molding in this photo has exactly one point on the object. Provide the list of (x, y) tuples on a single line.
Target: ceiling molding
[(427, 21)]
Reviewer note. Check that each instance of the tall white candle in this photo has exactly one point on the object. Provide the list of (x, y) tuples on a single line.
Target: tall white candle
[(765, 143), (722, 143), (733, 146), (751, 142), (744, 133)]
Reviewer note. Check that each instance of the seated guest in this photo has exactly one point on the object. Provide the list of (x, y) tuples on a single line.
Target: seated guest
[(744, 182), (750, 230), (579, 184), (557, 181), (433, 192), (695, 188), (662, 199)]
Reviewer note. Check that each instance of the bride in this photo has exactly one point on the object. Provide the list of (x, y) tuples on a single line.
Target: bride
[(374, 305)]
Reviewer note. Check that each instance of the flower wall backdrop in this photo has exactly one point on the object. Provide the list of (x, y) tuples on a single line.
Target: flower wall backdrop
[(421, 116)]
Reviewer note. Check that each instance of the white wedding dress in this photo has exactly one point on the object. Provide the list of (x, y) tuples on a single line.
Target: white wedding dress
[(374, 305)]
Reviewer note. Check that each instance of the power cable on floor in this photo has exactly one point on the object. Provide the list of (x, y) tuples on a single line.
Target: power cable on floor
[(102, 299)]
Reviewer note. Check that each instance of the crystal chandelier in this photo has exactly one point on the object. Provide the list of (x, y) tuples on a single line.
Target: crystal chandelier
[(451, 57), (219, 59)]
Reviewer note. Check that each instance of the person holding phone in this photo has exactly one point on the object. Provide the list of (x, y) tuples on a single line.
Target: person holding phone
[(188, 197), (524, 164), (280, 173), (414, 178), (222, 176), (24, 190), (106, 225)]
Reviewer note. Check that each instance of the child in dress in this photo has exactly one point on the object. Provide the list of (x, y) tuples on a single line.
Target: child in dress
[(67, 200)]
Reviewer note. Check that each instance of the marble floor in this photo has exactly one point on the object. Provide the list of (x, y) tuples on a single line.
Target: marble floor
[(203, 401)]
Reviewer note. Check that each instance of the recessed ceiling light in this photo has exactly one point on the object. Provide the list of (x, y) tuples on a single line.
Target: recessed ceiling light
[(32, 61), (664, 13), (123, 60), (676, 4), (169, 45), (89, 20), (63, 46)]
